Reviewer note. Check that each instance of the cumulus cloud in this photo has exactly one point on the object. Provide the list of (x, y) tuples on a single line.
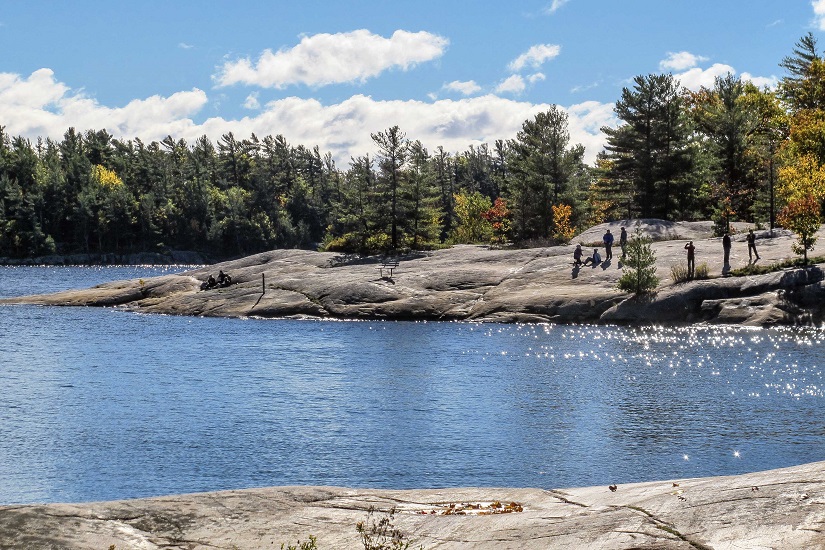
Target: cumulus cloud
[(323, 59), (762, 81), (40, 106), (536, 77), (252, 102), (535, 56), (819, 13), (554, 6), (466, 88), (512, 85), (696, 78), (679, 61)]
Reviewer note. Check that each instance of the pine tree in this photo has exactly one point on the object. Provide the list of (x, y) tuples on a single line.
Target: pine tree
[(639, 269)]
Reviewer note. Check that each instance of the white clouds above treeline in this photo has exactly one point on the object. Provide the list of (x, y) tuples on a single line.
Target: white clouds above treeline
[(324, 59), (693, 77), (41, 106), (819, 13)]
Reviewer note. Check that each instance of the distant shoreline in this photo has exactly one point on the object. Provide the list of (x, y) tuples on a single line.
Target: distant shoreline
[(479, 284)]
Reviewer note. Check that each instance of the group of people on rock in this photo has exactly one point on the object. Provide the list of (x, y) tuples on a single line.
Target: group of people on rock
[(223, 280), (596, 259)]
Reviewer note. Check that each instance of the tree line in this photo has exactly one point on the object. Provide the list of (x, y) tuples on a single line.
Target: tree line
[(729, 152)]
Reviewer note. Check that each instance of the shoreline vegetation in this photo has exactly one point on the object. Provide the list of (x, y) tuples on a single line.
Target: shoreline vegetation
[(483, 284), (771, 509), (729, 152)]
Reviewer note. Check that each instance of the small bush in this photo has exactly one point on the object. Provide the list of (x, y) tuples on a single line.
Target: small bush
[(310, 544), (679, 273), (381, 534)]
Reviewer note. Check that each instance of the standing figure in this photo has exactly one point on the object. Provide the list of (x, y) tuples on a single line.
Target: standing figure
[(608, 245), (577, 255), (623, 242), (691, 258), (726, 249), (752, 246)]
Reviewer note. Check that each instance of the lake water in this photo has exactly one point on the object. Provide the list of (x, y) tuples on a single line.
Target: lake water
[(102, 404)]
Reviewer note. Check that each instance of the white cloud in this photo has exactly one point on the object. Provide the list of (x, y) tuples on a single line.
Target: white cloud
[(696, 78), (536, 77), (252, 102), (761, 81), (819, 13), (511, 85), (679, 61), (535, 56), (467, 88), (551, 9), (323, 59), (40, 106), (185, 46)]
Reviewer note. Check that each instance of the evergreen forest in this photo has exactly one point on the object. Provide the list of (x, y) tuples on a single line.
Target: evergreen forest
[(733, 152)]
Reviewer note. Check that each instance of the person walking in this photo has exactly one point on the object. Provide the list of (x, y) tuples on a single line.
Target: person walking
[(726, 249), (691, 258), (752, 246), (623, 242), (577, 255), (608, 245)]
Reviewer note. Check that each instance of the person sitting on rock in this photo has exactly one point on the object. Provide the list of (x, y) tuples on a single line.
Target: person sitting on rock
[(224, 279), (577, 255), (210, 282), (595, 259)]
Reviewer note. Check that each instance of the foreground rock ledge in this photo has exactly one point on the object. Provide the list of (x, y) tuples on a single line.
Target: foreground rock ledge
[(775, 509), (474, 283)]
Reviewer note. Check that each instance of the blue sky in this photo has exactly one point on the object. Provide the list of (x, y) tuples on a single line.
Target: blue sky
[(330, 73)]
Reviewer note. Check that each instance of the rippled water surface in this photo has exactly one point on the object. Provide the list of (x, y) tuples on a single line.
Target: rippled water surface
[(103, 404)]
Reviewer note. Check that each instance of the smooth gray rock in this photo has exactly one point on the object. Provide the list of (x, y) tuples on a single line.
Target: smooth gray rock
[(476, 283), (776, 509)]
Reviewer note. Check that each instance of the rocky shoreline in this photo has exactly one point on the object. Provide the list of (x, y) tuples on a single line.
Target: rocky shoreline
[(782, 508), (475, 283)]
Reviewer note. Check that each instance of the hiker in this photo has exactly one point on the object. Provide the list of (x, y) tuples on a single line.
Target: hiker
[(608, 245), (726, 249), (577, 255), (752, 246), (691, 258), (623, 242), (595, 259)]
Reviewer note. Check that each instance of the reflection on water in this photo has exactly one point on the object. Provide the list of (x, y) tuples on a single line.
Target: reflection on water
[(101, 404)]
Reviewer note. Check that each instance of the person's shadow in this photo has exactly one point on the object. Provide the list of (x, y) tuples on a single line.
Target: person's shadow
[(575, 273), (605, 264)]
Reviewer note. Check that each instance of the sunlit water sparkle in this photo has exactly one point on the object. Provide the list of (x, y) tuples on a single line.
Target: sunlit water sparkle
[(103, 404)]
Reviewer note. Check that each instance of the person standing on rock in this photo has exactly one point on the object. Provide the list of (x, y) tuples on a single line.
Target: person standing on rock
[(623, 242), (577, 255), (726, 249), (691, 258), (608, 245), (752, 246)]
